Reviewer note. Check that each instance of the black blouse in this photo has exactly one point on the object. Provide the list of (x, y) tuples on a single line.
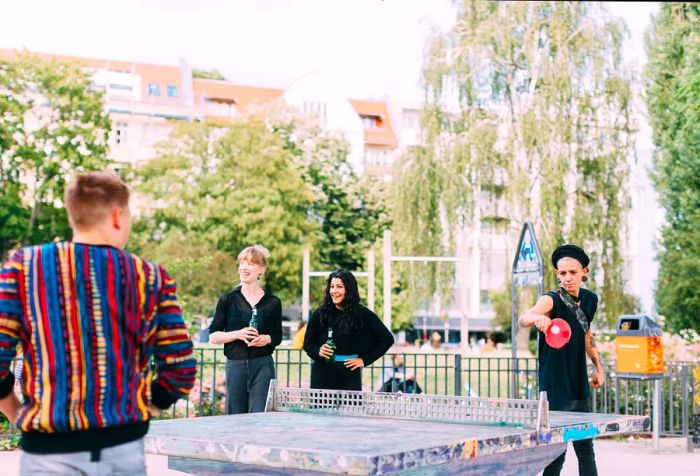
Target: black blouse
[(370, 341), (233, 312)]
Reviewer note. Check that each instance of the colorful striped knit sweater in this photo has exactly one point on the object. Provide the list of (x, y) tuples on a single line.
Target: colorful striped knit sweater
[(89, 318)]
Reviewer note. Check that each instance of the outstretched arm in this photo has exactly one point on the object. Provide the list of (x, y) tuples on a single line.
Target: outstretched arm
[(538, 315), (599, 376)]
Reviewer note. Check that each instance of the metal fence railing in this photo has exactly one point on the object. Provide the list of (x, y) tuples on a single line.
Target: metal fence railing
[(635, 397), (434, 373), (453, 374), (493, 377)]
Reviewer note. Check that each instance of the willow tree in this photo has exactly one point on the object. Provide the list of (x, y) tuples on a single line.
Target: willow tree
[(528, 107)]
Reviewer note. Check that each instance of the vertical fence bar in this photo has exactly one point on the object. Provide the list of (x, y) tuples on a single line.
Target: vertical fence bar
[(684, 400), (444, 372), (478, 378), (458, 374), (498, 372), (658, 383), (594, 397), (201, 381), (662, 393), (213, 380), (435, 379), (488, 376), (650, 396), (670, 399)]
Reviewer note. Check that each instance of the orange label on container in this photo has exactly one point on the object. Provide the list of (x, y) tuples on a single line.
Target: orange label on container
[(639, 354)]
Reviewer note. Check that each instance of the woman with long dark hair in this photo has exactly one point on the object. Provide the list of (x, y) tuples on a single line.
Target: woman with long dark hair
[(343, 336)]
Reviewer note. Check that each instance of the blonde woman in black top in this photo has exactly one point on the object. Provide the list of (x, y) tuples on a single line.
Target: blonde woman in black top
[(248, 321), (359, 336)]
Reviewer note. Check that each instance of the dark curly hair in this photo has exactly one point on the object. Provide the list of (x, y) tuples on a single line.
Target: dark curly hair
[(349, 320)]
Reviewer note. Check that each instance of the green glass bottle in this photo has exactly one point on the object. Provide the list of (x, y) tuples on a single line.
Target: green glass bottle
[(331, 344), (253, 319)]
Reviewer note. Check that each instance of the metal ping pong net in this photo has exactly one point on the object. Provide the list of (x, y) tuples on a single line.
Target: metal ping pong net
[(469, 410)]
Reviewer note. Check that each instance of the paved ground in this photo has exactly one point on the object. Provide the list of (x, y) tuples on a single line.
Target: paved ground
[(616, 458), (637, 458)]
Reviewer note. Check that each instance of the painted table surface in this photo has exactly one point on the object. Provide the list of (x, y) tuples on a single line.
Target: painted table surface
[(296, 443)]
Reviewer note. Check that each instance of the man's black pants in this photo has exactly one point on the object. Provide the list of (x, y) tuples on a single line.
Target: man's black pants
[(583, 448)]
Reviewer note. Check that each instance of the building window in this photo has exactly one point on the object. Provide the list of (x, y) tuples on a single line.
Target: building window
[(121, 87), (153, 89), (369, 122), (485, 303), (377, 157), (213, 107), (410, 121), (120, 133), (172, 91), (318, 109)]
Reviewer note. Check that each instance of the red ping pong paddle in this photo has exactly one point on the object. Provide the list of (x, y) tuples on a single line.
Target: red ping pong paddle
[(558, 333)]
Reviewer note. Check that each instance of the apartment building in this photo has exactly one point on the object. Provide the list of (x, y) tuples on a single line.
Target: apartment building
[(145, 101)]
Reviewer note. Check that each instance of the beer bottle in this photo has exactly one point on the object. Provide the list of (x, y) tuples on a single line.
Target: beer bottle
[(330, 344), (253, 319)]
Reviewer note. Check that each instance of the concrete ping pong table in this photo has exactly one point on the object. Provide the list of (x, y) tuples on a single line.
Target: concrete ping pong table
[(307, 431)]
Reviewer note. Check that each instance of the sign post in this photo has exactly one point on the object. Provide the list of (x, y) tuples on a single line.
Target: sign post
[(528, 270)]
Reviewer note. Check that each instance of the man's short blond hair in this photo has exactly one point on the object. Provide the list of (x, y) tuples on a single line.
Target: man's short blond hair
[(91, 196)]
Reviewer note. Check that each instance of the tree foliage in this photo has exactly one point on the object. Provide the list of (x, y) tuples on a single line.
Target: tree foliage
[(527, 116), (347, 207), (52, 123), (208, 74), (214, 189), (673, 99)]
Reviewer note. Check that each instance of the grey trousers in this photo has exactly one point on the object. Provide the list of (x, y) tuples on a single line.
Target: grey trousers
[(127, 460), (247, 384)]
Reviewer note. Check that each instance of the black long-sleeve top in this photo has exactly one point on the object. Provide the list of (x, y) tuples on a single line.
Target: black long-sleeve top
[(233, 312), (369, 342)]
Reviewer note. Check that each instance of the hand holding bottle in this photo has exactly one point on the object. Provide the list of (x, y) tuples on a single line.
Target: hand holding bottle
[(326, 351), (260, 341), (330, 346), (246, 334)]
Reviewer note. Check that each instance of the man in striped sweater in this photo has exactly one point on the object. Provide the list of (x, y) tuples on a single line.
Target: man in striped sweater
[(89, 317)]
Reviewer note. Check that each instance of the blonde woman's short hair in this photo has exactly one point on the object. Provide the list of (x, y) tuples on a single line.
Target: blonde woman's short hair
[(256, 254)]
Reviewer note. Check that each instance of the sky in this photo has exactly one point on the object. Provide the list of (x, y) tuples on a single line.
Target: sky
[(366, 48)]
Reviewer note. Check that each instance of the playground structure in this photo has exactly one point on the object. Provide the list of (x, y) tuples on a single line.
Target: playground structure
[(387, 259)]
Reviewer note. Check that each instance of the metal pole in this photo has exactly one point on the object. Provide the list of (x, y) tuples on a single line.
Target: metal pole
[(370, 279), (656, 414), (475, 268), (463, 279), (305, 289), (386, 258), (514, 339), (458, 375), (686, 400)]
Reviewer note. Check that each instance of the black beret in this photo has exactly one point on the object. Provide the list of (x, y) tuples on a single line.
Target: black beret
[(570, 251)]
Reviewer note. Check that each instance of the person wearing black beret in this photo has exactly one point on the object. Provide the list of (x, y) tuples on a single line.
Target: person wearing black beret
[(563, 373)]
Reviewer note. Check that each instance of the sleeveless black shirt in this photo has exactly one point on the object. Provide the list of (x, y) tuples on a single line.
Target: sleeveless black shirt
[(563, 373)]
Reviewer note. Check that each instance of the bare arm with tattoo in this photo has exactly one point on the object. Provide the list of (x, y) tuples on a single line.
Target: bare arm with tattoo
[(592, 351)]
